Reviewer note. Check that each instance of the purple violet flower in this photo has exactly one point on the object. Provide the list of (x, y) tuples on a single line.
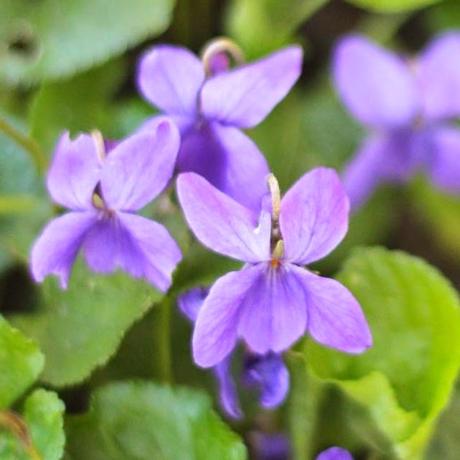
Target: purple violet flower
[(102, 189), (335, 453), (272, 301), (210, 110), (265, 373), (409, 105)]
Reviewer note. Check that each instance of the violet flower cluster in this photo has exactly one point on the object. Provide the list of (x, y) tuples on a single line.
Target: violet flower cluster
[(409, 104), (232, 205)]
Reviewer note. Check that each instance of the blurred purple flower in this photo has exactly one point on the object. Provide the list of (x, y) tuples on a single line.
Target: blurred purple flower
[(335, 453), (272, 301), (103, 190), (408, 105), (275, 446), (211, 109), (265, 373)]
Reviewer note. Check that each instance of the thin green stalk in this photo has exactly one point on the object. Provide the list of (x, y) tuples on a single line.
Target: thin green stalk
[(162, 352), (27, 143), (305, 399)]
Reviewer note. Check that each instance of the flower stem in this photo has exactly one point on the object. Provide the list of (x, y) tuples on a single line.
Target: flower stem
[(162, 352), (305, 399), (27, 143)]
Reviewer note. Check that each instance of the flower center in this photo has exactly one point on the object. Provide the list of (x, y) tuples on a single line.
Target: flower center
[(99, 203), (276, 242), (277, 254)]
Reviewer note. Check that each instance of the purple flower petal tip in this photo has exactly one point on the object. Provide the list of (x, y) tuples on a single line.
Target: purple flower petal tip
[(335, 453), (170, 77), (375, 84), (228, 393), (191, 302), (270, 375), (252, 90)]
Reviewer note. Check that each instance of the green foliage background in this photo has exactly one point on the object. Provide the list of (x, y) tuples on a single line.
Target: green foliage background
[(103, 370)]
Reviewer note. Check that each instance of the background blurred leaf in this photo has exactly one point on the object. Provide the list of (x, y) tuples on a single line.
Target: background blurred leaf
[(21, 363), (320, 415), (446, 442), (43, 419), (21, 192), (81, 328), (127, 116), (305, 397), (406, 378), (43, 413), (78, 104), (261, 26), (393, 5), (49, 39), (440, 214), (140, 420), (446, 15), (201, 267)]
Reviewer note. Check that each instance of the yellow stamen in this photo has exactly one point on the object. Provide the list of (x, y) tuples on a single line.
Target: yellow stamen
[(98, 202), (276, 196), (221, 45), (100, 146), (277, 254)]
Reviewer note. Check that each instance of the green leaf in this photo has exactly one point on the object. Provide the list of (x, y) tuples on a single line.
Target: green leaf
[(43, 413), (393, 6), (444, 16), (406, 378), (201, 267), (43, 425), (48, 40), (126, 117), (140, 420), (21, 363), (80, 328), (260, 26), (439, 214), (446, 443), (60, 106)]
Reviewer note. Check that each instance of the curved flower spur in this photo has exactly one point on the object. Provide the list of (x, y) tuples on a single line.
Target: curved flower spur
[(272, 301), (102, 189), (267, 374), (410, 106), (211, 103)]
